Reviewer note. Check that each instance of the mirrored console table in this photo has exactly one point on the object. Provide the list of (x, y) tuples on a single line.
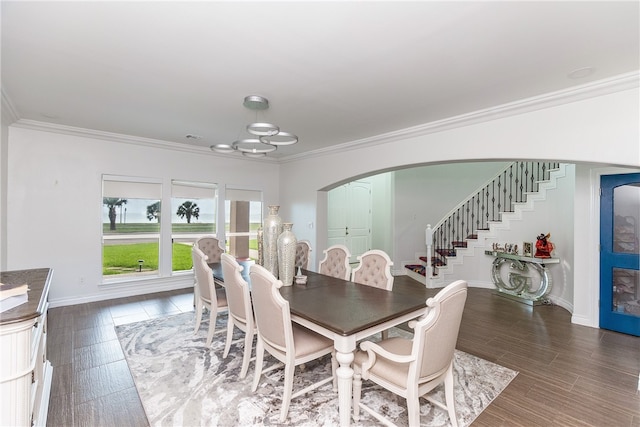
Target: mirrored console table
[(523, 279)]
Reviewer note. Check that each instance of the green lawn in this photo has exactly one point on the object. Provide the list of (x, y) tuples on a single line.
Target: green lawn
[(123, 258), (120, 259)]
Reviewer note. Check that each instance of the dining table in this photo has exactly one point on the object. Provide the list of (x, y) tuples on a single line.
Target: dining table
[(347, 312)]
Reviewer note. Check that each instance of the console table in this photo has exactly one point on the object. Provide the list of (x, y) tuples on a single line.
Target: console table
[(521, 277), (25, 372)]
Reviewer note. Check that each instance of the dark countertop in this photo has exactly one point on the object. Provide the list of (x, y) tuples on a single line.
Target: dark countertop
[(38, 280)]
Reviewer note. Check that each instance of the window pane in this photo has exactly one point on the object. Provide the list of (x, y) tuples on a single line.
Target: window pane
[(130, 234), (193, 214), (626, 292), (626, 209), (243, 218)]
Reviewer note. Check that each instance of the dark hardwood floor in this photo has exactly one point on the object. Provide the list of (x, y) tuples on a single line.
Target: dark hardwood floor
[(569, 375)]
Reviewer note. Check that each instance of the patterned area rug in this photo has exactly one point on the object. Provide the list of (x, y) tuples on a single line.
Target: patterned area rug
[(181, 382)]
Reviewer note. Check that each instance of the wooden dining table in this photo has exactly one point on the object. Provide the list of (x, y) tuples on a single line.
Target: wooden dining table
[(347, 312)]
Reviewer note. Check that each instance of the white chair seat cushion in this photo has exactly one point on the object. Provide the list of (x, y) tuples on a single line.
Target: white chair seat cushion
[(393, 372), (308, 342)]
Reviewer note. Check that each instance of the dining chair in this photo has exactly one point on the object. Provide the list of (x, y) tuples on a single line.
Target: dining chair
[(374, 269), (206, 293), (303, 254), (211, 247), (412, 368), (240, 309), (336, 262), (288, 342)]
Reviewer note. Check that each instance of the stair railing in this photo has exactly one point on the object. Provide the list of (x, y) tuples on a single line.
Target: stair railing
[(485, 205)]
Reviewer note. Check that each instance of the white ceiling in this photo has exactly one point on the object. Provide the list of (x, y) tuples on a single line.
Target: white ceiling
[(334, 72)]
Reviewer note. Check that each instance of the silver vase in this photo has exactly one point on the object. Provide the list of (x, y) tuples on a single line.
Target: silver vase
[(271, 230), (260, 260), (287, 254)]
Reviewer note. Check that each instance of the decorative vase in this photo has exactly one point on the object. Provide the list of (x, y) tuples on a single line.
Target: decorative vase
[(287, 254), (260, 250), (271, 230)]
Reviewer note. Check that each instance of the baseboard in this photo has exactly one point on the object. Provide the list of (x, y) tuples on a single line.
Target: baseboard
[(125, 290), (584, 321)]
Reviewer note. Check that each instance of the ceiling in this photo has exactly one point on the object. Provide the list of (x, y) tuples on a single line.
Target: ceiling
[(334, 72)]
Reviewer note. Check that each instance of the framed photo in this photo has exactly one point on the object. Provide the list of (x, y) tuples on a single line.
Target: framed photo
[(527, 249)]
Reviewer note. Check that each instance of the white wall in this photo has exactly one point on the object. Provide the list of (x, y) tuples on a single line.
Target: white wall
[(426, 194), (552, 214), (599, 130), (6, 117), (55, 202)]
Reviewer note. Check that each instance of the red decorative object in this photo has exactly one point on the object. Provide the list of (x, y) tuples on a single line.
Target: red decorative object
[(543, 246)]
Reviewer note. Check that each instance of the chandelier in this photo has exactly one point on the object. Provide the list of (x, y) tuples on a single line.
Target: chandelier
[(265, 137)]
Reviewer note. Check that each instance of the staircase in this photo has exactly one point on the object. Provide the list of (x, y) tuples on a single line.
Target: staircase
[(477, 218)]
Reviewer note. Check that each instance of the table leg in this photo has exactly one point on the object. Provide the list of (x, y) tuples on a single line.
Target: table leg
[(345, 378)]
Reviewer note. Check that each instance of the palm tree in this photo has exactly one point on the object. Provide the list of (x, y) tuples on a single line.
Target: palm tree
[(153, 211), (188, 209), (112, 203)]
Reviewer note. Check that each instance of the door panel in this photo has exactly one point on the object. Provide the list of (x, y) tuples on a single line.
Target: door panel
[(349, 217), (359, 219), (620, 253)]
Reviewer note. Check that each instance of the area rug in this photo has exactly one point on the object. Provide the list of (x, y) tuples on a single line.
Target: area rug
[(183, 383)]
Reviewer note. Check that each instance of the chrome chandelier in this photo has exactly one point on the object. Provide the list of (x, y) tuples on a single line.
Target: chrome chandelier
[(266, 137)]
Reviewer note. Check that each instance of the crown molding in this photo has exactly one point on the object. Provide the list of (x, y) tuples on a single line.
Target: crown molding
[(8, 109), (552, 99), (589, 90), (126, 139)]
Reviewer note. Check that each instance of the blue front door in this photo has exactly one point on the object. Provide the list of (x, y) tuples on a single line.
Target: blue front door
[(620, 253)]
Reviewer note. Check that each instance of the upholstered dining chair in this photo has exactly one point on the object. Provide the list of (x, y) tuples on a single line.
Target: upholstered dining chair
[(412, 368), (336, 262), (211, 247), (303, 254), (206, 293), (240, 309), (288, 342), (374, 269)]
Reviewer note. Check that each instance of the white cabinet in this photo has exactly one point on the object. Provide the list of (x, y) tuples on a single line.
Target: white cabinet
[(25, 372)]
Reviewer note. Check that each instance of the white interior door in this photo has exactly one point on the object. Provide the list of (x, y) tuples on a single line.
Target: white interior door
[(349, 217)]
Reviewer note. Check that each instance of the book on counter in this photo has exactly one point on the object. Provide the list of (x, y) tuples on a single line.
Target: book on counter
[(13, 295)]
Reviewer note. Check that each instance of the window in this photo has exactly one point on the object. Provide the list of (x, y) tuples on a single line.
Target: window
[(193, 214), (243, 218), (130, 231), (137, 237)]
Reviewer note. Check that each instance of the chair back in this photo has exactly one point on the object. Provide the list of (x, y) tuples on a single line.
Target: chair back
[(273, 318), (336, 262), (374, 270), (436, 334), (203, 274), (303, 254), (210, 245), (237, 289)]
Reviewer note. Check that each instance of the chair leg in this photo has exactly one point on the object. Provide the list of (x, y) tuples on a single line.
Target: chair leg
[(227, 344), (413, 408), (357, 390), (213, 312), (449, 396), (289, 369), (385, 334), (258, 372), (248, 344), (198, 315)]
